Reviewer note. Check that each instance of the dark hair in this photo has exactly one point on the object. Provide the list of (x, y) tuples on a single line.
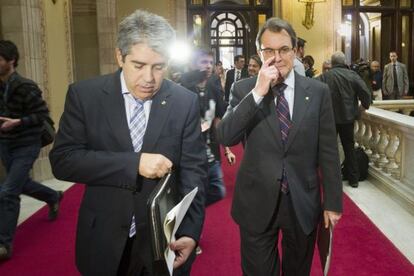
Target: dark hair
[(8, 51), (236, 58), (201, 52), (309, 60), (257, 59), (276, 25), (301, 43)]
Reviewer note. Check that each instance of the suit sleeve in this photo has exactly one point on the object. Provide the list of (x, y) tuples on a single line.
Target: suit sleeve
[(363, 92), (385, 80), (405, 80), (73, 160), (329, 156), (239, 114), (193, 173)]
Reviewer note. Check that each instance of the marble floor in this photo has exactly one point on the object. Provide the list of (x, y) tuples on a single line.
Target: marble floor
[(394, 221)]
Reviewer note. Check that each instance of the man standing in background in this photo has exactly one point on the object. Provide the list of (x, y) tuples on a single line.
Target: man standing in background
[(237, 73), (376, 80), (395, 79), (300, 53)]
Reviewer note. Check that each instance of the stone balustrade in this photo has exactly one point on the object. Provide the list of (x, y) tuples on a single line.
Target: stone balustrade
[(402, 106), (388, 139)]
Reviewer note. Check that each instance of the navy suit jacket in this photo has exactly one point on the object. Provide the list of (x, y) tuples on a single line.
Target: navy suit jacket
[(93, 146)]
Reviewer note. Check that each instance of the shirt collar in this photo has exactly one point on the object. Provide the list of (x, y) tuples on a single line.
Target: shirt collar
[(290, 80), (124, 87)]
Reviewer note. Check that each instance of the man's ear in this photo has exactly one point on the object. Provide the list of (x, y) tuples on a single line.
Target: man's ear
[(119, 57)]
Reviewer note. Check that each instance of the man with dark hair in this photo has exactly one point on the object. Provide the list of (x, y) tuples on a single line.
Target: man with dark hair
[(119, 134), (300, 53), (22, 112), (395, 82), (347, 88), (206, 85), (287, 123), (237, 73)]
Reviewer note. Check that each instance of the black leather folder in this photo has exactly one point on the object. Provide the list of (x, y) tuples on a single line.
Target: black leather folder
[(162, 199)]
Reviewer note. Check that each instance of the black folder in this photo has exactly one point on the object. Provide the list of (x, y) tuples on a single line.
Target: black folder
[(324, 242), (162, 199)]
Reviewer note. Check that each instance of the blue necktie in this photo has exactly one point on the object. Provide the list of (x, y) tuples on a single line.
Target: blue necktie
[(137, 126), (283, 114)]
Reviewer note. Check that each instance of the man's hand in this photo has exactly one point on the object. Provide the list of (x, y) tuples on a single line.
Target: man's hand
[(154, 165), (183, 248), (9, 123), (331, 218), (231, 158), (268, 74)]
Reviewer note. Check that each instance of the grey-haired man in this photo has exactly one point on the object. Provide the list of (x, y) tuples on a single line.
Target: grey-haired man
[(119, 134)]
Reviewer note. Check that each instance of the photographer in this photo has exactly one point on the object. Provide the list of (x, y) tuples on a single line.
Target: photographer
[(206, 85)]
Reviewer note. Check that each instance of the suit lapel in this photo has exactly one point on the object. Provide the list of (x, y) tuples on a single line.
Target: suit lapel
[(160, 109), (300, 106), (114, 108)]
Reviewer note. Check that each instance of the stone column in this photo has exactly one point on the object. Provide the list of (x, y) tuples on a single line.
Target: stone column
[(107, 30)]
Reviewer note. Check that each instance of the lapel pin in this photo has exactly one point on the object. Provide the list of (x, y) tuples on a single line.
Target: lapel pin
[(307, 98), (163, 103)]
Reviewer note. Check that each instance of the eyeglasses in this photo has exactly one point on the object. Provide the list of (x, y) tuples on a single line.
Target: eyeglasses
[(271, 52)]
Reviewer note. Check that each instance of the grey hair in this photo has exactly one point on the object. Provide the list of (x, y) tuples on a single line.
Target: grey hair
[(148, 28), (337, 58), (276, 25)]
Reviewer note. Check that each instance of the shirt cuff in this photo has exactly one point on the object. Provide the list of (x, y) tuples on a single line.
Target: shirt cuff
[(258, 99)]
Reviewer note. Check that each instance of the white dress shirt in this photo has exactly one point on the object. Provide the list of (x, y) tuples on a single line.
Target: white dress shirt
[(289, 92)]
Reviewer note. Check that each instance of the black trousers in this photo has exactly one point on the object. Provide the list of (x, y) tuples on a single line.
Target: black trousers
[(259, 251), (137, 259), (346, 133)]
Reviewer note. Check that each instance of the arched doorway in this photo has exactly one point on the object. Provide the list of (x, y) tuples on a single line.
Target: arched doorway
[(228, 27), (227, 34)]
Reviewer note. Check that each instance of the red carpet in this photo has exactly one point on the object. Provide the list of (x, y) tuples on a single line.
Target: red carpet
[(44, 248)]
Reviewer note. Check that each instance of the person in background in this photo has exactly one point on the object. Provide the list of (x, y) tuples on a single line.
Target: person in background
[(376, 80), (308, 62), (22, 112), (206, 85), (237, 73), (326, 66), (119, 134), (289, 130), (347, 89), (300, 53), (395, 79), (219, 71), (254, 65)]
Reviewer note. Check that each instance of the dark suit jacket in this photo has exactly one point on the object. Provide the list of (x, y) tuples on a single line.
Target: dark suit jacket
[(311, 144), (93, 146), (230, 80)]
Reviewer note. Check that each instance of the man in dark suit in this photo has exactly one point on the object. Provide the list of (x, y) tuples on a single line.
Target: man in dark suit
[(289, 130), (119, 134), (239, 72)]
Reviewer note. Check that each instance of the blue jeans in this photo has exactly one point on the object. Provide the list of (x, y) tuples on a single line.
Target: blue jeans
[(18, 161), (215, 189)]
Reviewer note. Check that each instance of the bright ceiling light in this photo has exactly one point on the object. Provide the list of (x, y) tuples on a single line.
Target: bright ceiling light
[(180, 52)]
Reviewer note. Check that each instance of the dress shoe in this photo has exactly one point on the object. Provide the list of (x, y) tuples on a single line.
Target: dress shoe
[(54, 207), (353, 184), (5, 253)]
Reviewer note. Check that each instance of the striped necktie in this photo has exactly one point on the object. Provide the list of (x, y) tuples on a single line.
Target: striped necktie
[(137, 126), (283, 114)]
